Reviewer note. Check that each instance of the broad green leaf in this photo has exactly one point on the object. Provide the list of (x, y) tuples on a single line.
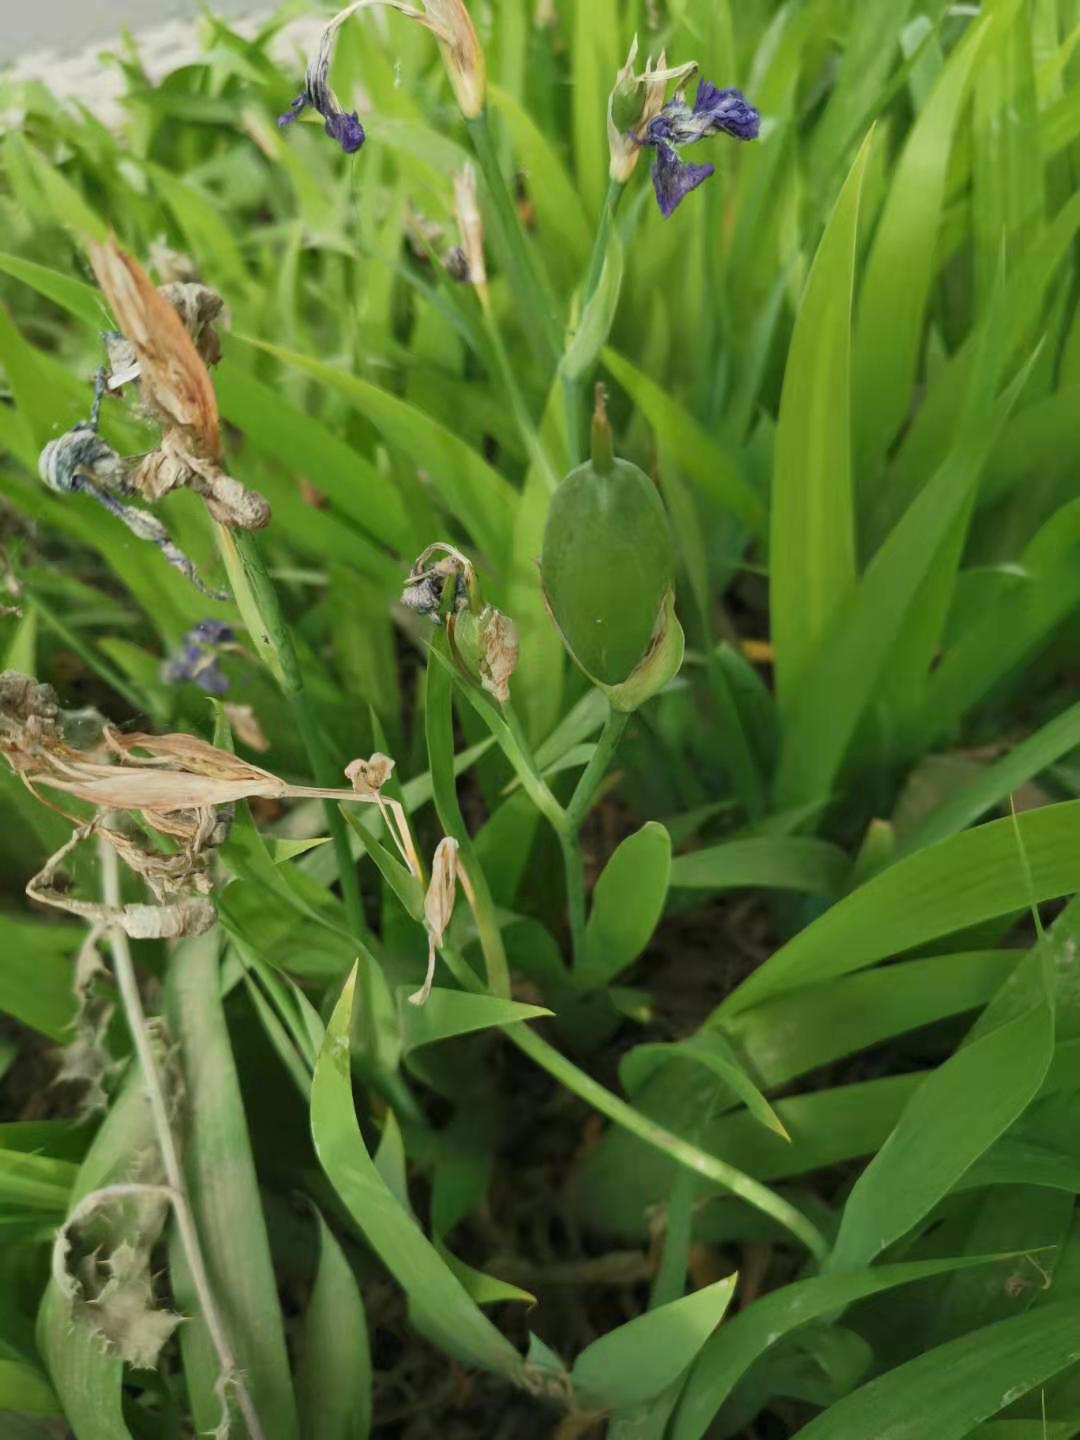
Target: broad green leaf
[(640, 1359), (26, 1390), (38, 974), (950, 886), (840, 685), (557, 204), (812, 535), (999, 780), (905, 244), (596, 59), (309, 448), (779, 862), (626, 905), (224, 1195), (438, 1304), (802, 1029), (959, 1384), (66, 203), (952, 1119), (758, 1327), (711, 468), (35, 1182), (75, 296), (470, 489), (447, 1013), (204, 226), (1013, 627), (711, 1050), (333, 1370)]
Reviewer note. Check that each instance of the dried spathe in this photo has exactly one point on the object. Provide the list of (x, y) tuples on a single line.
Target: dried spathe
[(176, 391)]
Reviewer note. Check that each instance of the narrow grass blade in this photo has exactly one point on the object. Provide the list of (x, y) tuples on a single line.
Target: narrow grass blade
[(812, 539), (711, 468), (333, 1371), (225, 1199), (905, 244), (953, 1119), (438, 1304), (959, 1384), (950, 886), (769, 863), (727, 1357)]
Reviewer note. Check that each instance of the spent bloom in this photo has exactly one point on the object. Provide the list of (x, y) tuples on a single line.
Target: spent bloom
[(343, 126), (713, 112), (196, 658), (450, 23), (635, 100)]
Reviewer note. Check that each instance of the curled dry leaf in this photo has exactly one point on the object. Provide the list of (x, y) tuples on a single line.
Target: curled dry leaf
[(179, 785), (101, 1263)]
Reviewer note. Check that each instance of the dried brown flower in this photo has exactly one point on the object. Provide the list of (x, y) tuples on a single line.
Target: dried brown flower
[(175, 386)]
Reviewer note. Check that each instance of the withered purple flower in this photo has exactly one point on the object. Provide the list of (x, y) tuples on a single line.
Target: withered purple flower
[(344, 126), (714, 112), (196, 659)]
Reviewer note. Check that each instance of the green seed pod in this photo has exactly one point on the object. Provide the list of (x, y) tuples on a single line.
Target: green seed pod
[(609, 572)]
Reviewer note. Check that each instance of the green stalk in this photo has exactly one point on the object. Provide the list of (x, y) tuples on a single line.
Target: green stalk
[(531, 292), (530, 436), (576, 811), (258, 603), (690, 1157), (593, 774), (573, 390)]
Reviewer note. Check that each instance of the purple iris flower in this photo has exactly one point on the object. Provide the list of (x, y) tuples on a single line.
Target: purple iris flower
[(196, 659), (714, 112), (343, 126)]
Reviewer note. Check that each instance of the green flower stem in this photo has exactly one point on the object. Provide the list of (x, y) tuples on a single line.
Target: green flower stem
[(576, 811), (574, 871), (573, 390), (531, 292), (260, 609), (530, 436), (593, 774), (690, 1157)]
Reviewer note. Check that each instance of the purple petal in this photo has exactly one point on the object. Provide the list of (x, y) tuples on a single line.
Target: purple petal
[(346, 130), (673, 179), (294, 110), (727, 110)]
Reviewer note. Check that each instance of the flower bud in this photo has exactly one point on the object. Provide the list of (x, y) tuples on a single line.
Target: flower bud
[(609, 573)]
